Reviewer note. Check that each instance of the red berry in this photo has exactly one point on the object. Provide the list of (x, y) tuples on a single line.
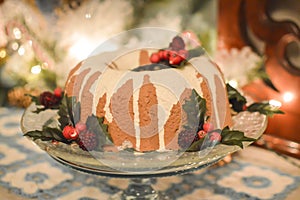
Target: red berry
[(80, 127), (215, 136), (70, 133), (166, 55), (154, 58), (58, 92), (244, 107), (202, 134), (161, 54), (208, 127), (49, 100), (88, 141), (175, 59)]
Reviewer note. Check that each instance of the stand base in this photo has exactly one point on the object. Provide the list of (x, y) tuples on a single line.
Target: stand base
[(139, 189)]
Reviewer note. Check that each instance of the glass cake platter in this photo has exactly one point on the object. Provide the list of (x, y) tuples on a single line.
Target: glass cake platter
[(130, 164), (126, 163), (139, 166)]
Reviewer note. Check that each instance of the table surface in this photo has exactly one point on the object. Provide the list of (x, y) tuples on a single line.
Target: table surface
[(26, 172)]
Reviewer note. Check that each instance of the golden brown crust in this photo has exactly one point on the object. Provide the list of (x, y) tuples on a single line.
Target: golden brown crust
[(148, 115), (100, 112), (87, 97), (74, 70), (172, 127), (206, 95), (75, 83), (122, 126), (144, 58)]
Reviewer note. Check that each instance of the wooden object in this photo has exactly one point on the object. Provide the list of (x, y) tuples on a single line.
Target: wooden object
[(271, 29)]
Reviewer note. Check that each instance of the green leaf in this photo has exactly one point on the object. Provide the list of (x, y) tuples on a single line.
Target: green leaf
[(195, 52), (235, 98), (195, 108), (264, 108), (195, 146), (76, 112), (96, 125), (39, 135), (70, 102), (63, 114), (39, 109), (54, 133), (234, 137)]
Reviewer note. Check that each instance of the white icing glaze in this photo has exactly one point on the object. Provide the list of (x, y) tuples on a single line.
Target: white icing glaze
[(208, 70), (136, 119), (169, 84)]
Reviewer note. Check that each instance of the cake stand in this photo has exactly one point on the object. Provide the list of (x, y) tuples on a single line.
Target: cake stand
[(139, 167)]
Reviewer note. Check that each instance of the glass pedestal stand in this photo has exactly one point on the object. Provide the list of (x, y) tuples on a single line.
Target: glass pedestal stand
[(139, 189)]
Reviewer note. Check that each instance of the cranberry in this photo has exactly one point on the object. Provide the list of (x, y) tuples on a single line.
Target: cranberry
[(70, 133), (208, 126), (154, 58)]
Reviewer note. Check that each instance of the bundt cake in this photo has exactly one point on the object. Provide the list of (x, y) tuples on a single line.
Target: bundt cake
[(143, 103)]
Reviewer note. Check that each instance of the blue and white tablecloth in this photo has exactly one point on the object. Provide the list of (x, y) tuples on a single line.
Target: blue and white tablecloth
[(26, 172)]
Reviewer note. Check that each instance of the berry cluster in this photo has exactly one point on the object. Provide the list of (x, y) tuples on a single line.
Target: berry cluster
[(174, 55), (86, 139), (188, 136), (49, 99)]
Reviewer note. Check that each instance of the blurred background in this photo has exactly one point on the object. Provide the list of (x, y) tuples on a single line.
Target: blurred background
[(40, 41)]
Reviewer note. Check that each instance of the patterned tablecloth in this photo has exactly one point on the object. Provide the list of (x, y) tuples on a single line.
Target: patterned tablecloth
[(26, 172)]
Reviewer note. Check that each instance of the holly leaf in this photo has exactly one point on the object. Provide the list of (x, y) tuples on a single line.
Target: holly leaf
[(264, 108), (55, 134), (70, 102), (195, 146), (96, 125), (195, 108), (234, 137), (76, 112), (104, 128), (45, 136), (63, 114), (195, 52), (235, 98), (39, 109)]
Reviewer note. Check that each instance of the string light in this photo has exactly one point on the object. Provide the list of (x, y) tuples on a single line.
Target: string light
[(15, 46), (36, 69), (3, 53), (17, 33), (88, 16), (21, 51), (288, 96)]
